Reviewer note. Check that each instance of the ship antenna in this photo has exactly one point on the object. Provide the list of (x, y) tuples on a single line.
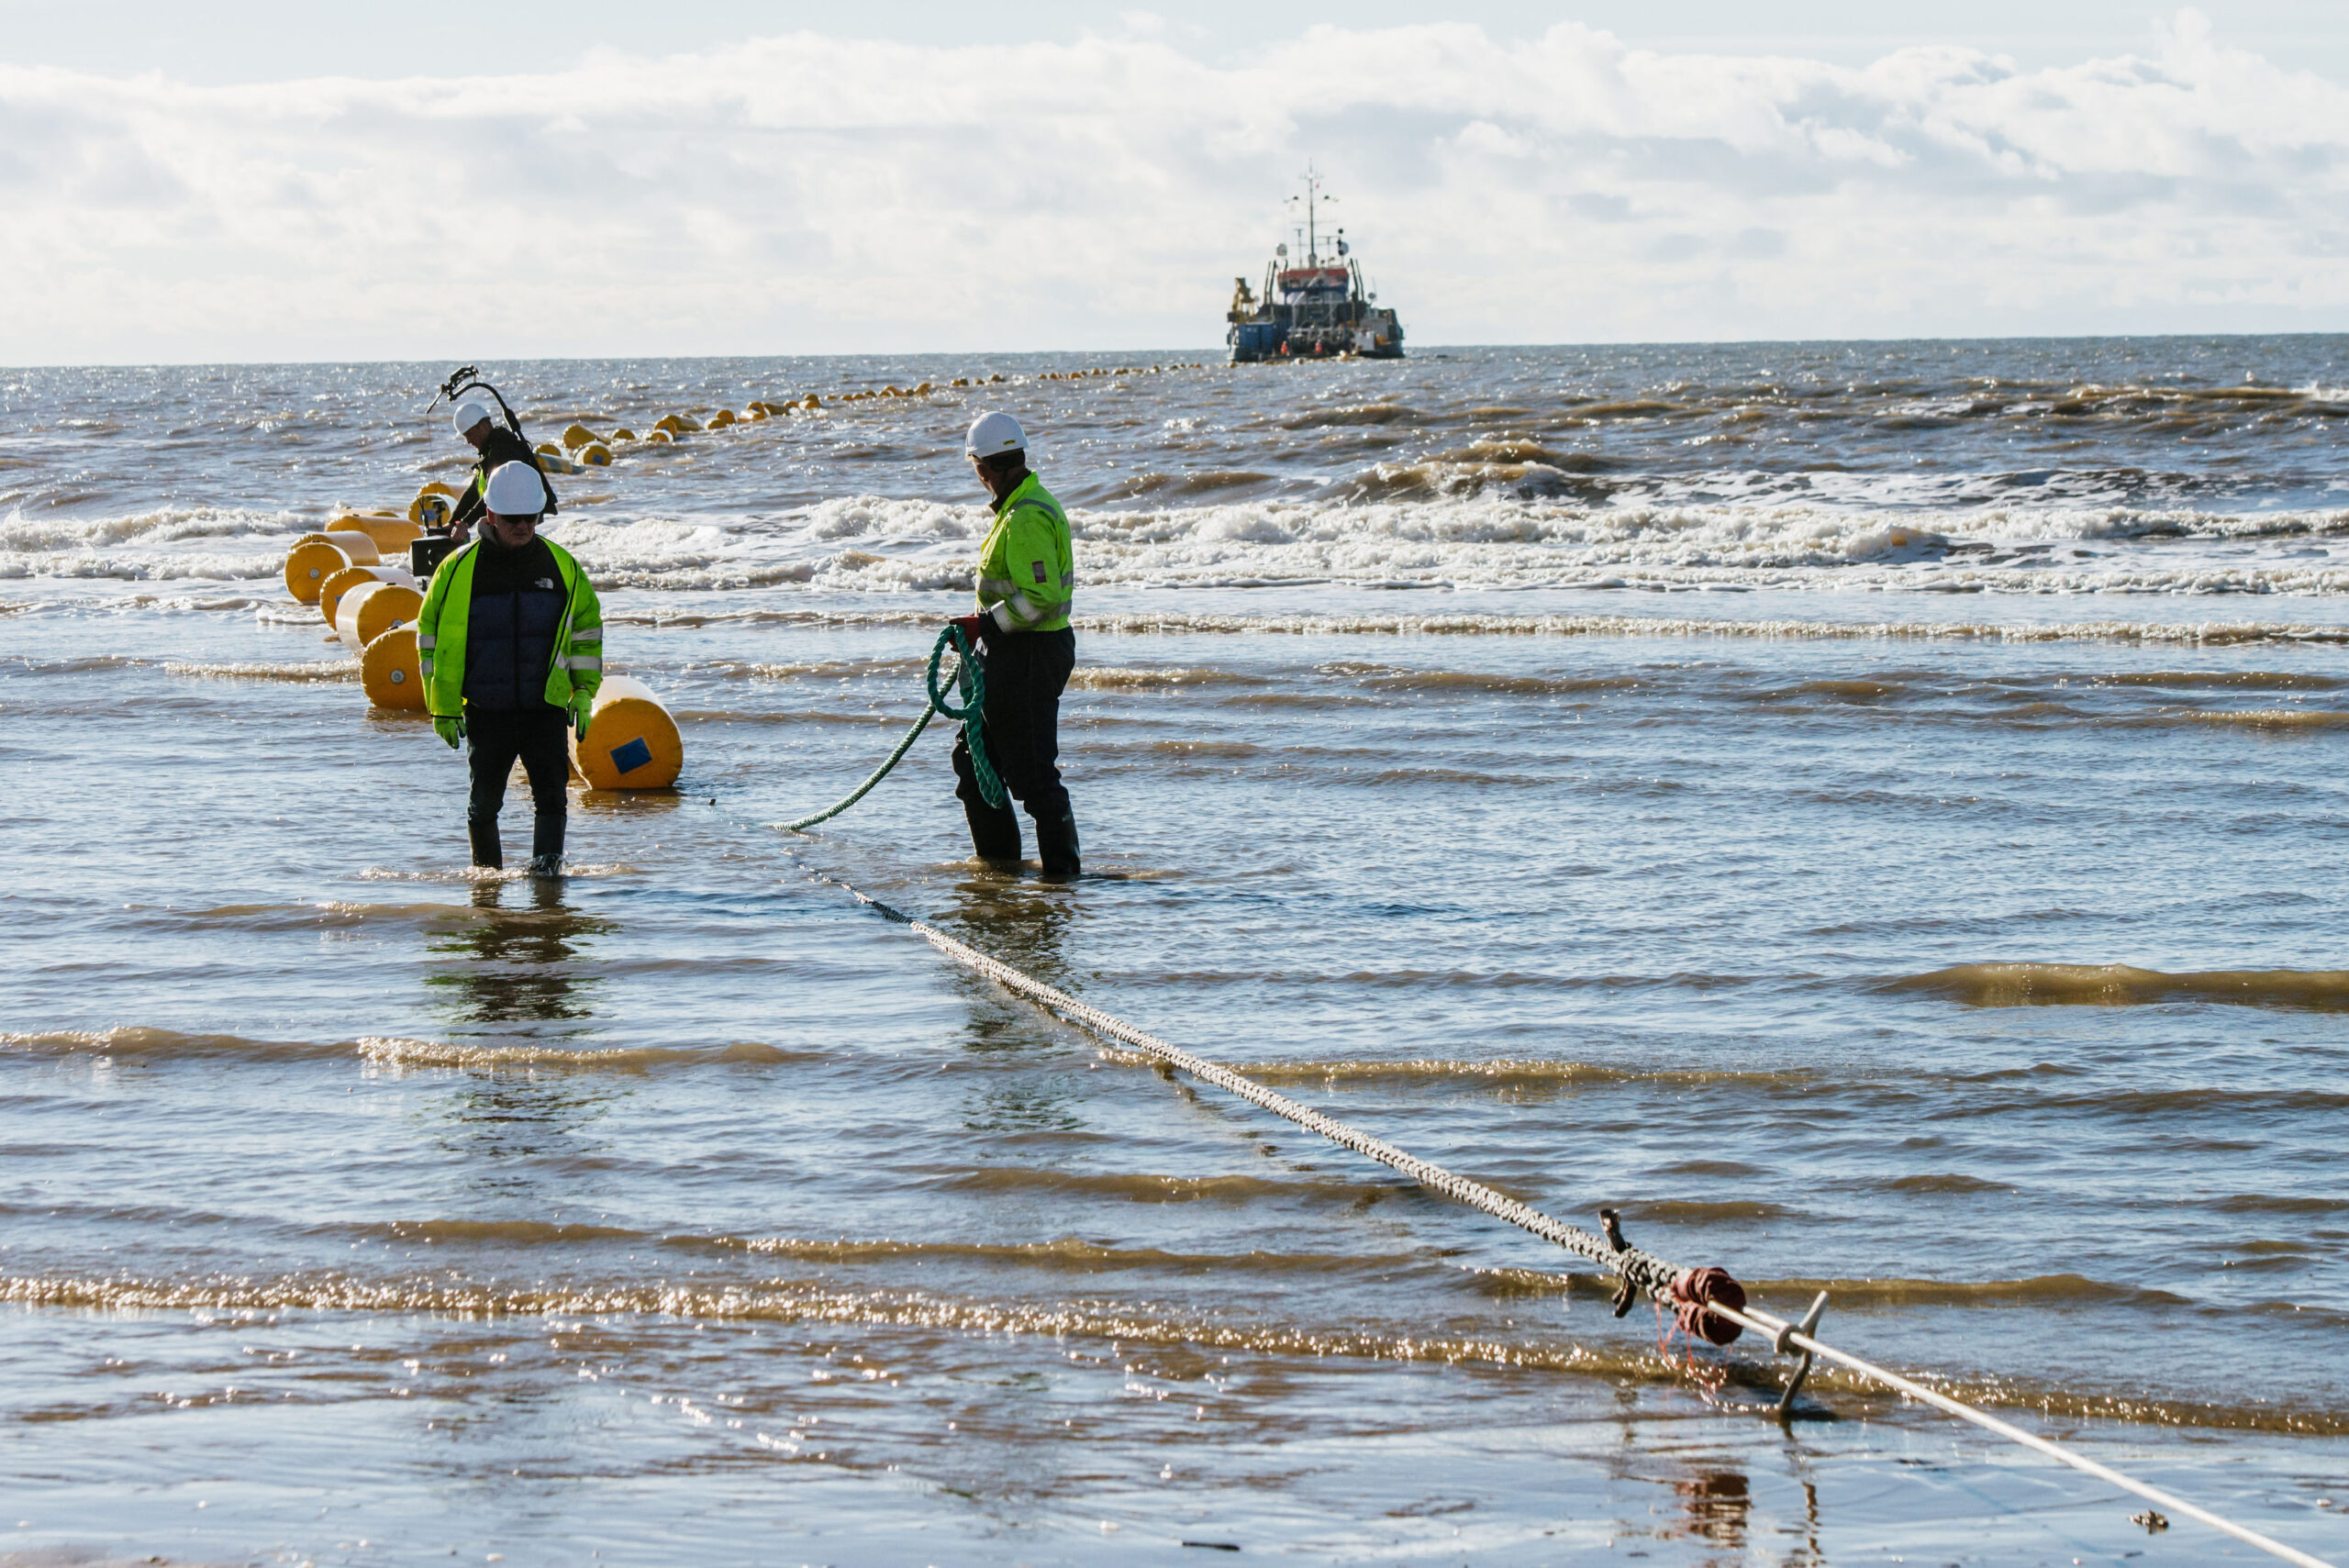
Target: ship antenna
[(1313, 198), (1312, 234)]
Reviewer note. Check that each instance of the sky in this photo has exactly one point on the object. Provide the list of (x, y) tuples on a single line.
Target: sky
[(272, 181)]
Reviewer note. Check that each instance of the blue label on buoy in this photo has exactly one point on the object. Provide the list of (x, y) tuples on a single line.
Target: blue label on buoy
[(632, 756)]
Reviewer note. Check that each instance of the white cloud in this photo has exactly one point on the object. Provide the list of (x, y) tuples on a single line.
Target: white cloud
[(814, 194)]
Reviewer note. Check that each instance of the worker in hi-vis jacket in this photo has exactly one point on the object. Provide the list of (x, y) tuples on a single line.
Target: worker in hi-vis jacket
[(511, 641), (495, 446), (1025, 650)]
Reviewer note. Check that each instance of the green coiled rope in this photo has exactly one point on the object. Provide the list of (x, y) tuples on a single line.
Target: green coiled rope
[(972, 682)]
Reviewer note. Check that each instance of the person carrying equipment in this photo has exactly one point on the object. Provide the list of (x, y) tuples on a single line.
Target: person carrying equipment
[(1025, 650), (511, 643), (497, 446)]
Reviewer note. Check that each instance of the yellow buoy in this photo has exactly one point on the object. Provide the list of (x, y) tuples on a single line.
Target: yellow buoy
[(754, 411), (811, 401), (359, 546), (331, 591), (432, 506), (675, 424), (595, 455), (632, 743), (659, 436), (317, 557), (390, 534), (548, 448), (576, 435), (623, 435), (722, 418), (308, 564), (370, 609), (388, 669)]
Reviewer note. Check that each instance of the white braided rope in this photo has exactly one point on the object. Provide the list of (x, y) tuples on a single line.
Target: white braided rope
[(1648, 1273), (1651, 1274)]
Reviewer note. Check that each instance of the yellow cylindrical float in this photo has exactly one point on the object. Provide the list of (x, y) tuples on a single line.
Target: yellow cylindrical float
[(576, 435), (595, 455), (389, 671), (675, 424), (317, 557), (331, 591), (722, 418), (391, 534), (371, 609), (632, 743), (623, 434), (433, 504)]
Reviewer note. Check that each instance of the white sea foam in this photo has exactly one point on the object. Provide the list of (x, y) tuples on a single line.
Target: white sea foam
[(886, 545)]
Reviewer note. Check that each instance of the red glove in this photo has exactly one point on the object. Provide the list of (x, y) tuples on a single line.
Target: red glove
[(973, 627)]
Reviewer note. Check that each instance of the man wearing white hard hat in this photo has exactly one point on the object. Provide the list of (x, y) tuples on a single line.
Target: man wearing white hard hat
[(497, 446), (511, 641), (1027, 574)]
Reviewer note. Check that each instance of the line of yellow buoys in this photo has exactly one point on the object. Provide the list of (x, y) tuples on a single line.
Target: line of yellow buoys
[(352, 571), (631, 742)]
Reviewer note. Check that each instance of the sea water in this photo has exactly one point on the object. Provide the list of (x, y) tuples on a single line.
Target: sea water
[(1871, 813)]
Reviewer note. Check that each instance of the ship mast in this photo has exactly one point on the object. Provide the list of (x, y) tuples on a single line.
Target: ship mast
[(1312, 199)]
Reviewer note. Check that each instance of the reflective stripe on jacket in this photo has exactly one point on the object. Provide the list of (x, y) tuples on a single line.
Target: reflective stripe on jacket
[(1027, 567), (576, 666)]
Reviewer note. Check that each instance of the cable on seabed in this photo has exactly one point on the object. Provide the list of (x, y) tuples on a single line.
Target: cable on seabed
[(1707, 1302)]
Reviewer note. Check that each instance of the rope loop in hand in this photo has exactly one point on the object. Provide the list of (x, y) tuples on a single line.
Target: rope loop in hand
[(972, 682)]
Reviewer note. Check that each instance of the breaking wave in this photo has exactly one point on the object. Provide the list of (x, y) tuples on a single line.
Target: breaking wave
[(1494, 513), (2120, 986)]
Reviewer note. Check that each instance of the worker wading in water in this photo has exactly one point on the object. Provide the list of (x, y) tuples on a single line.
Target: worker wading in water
[(497, 446), (1026, 650), (511, 641)]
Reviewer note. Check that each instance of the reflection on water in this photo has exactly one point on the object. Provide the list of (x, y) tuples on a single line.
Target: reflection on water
[(526, 963), (1018, 920), (1025, 924), (505, 1117), (1717, 1505)]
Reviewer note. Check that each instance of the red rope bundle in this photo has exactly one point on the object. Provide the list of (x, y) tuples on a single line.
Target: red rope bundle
[(1695, 1290)]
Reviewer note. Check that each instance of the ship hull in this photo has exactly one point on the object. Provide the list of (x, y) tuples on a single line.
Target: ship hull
[(1266, 339)]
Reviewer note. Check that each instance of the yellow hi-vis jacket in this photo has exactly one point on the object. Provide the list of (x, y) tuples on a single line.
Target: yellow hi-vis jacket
[(1027, 567), (578, 667)]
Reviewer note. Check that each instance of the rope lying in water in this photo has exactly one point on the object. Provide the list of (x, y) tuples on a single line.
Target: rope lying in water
[(974, 684), (1694, 1297)]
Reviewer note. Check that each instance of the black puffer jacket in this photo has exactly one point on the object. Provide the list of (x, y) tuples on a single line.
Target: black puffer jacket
[(509, 637)]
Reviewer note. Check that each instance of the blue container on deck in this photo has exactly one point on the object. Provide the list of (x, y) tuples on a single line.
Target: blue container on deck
[(1255, 340)]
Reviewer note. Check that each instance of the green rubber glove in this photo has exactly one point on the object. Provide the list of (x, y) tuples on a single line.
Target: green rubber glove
[(581, 709), (451, 729)]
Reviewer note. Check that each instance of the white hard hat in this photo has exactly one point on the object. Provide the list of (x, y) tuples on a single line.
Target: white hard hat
[(470, 414), (993, 433), (515, 490)]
